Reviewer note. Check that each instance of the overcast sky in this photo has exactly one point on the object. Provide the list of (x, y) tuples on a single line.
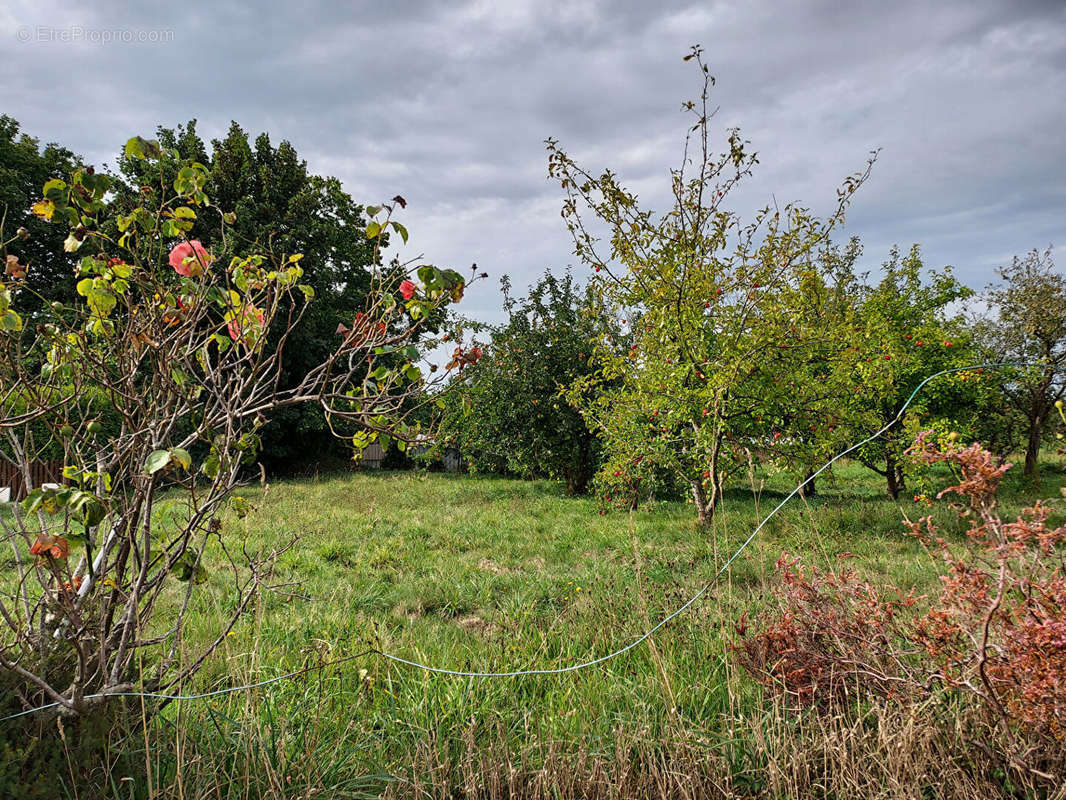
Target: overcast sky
[(449, 104)]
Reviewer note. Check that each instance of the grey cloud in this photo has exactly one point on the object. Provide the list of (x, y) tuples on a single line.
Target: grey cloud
[(449, 104)]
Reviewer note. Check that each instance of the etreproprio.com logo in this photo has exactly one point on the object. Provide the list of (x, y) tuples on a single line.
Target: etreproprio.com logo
[(72, 34)]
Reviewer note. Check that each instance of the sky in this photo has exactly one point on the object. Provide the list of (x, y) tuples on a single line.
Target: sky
[(448, 104)]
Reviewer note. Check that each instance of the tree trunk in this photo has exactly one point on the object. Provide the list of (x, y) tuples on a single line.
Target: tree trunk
[(809, 488), (896, 481), (581, 474), (704, 504), (1032, 447)]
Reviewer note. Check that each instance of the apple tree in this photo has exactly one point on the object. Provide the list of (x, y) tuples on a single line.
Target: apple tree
[(725, 315), (1028, 325), (507, 414), (907, 327)]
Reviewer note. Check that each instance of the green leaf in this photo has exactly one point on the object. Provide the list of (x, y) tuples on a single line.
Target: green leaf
[(190, 569), (55, 190), (184, 212), (400, 229), (429, 275), (240, 506), (373, 230), (212, 465), (101, 302), (90, 507), (157, 460), (10, 321), (135, 148), (33, 501)]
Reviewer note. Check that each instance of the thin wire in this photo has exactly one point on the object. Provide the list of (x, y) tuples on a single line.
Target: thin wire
[(688, 603), (583, 664), (205, 695)]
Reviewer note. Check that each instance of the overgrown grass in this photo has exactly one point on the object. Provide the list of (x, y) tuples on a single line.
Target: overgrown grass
[(482, 573)]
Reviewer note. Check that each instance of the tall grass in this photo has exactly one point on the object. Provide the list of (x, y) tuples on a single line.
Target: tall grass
[(484, 573)]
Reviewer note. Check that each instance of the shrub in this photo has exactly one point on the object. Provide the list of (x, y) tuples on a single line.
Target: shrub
[(835, 635), (995, 636), (998, 629), (171, 344)]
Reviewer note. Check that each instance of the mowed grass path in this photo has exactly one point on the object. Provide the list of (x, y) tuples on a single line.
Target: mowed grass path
[(486, 574)]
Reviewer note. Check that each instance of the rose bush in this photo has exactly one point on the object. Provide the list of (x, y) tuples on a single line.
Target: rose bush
[(166, 344)]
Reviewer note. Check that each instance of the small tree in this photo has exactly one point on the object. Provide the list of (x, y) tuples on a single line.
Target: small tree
[(1028, 325), (906, 332), (508, 414), (725, 315), (170, 344)]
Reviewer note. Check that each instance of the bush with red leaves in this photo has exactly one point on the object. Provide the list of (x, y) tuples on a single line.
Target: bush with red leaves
[(996, 632), (998, 628), (834, 635)]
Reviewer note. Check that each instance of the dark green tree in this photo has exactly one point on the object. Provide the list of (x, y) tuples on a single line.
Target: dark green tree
[(508, 416), (24, 168)]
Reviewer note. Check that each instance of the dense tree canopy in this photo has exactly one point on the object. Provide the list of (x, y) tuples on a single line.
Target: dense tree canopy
[(508, 415), (24, 168)]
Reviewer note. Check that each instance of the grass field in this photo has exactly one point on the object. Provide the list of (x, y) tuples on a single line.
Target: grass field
[(488, 574)]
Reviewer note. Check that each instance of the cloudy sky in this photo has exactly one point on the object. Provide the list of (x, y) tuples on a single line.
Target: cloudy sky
[(449, 104)]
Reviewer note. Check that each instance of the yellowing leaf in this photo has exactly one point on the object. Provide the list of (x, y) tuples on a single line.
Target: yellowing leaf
[(44, 209)]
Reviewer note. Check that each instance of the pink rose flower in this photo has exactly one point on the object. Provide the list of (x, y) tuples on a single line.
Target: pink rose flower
[(408, 289), (190, 258), (246, 324)]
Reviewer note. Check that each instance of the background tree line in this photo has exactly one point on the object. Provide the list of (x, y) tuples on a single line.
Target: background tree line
[(699, 345)]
